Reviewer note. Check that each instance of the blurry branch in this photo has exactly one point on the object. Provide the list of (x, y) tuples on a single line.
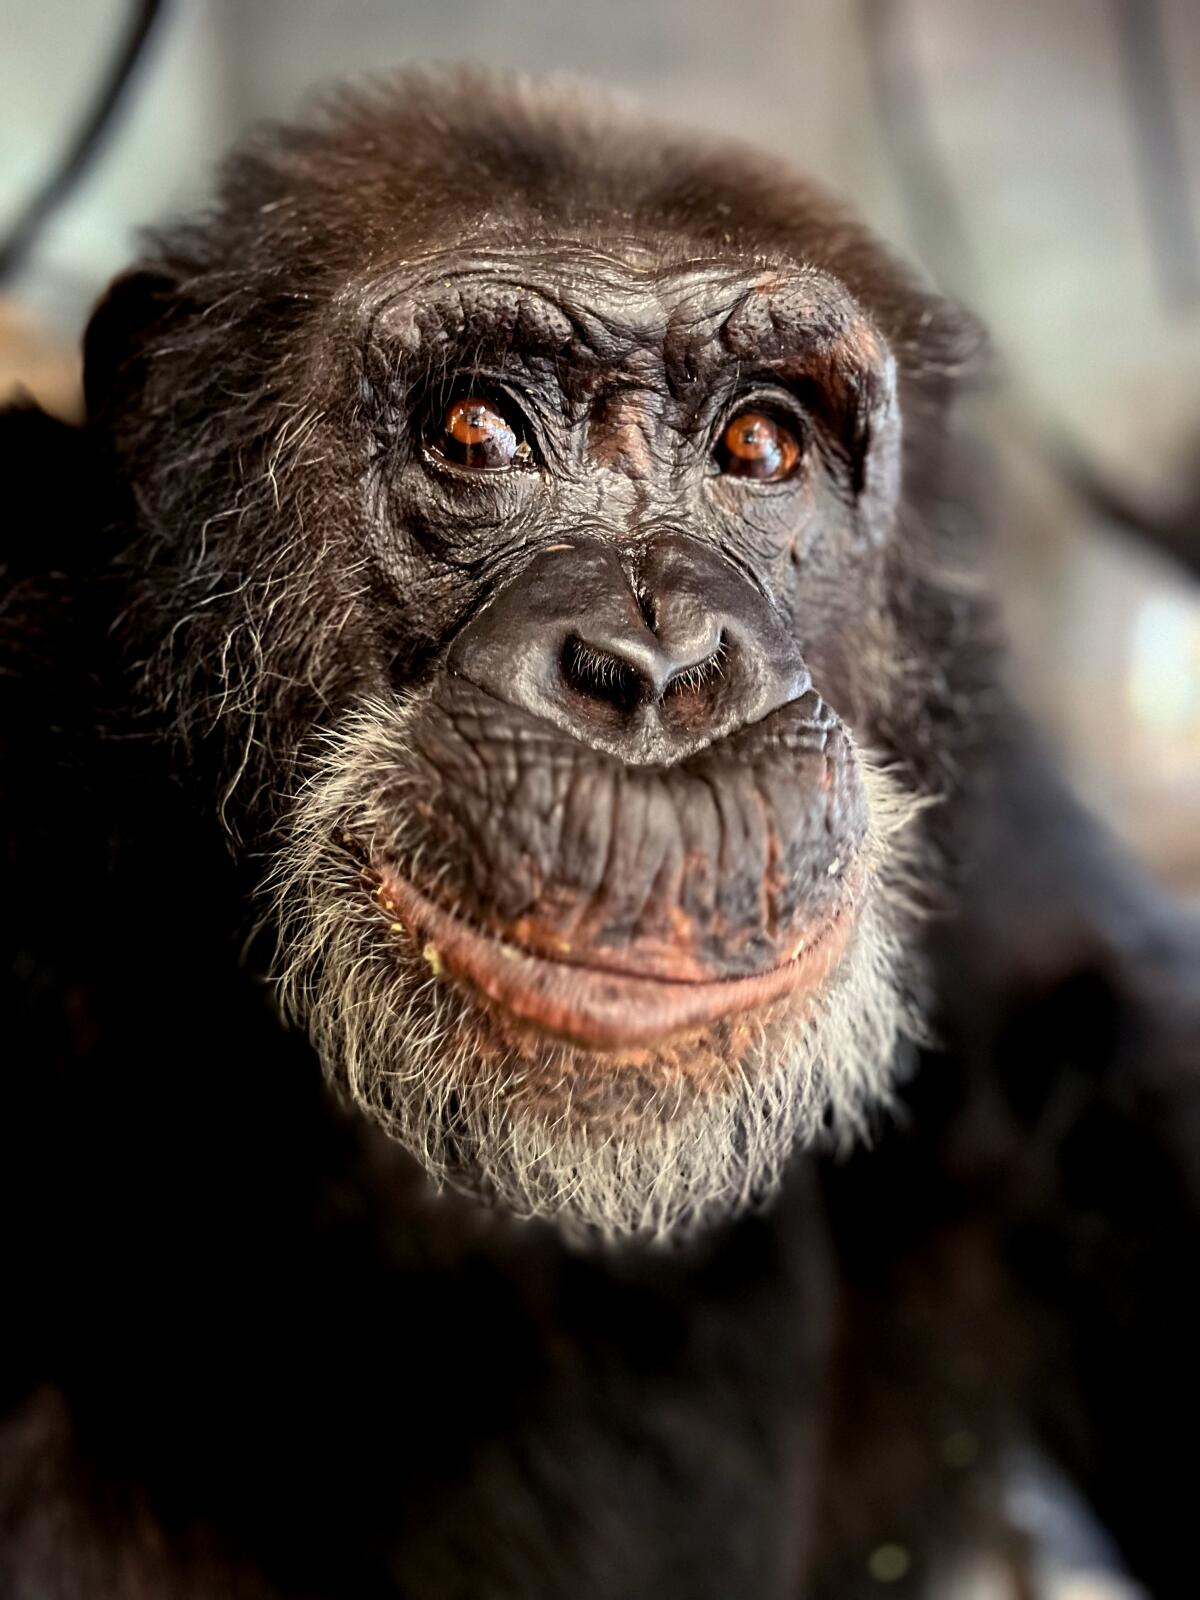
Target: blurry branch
[(1176, 532), (71, 168), (1158, 149), (925, 186), (929, 195)]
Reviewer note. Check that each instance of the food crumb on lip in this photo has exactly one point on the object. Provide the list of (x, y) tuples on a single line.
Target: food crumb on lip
[(596, 1008)]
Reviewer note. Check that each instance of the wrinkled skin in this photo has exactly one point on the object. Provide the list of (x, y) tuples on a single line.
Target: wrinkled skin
[(252, 1352), (624, 411)]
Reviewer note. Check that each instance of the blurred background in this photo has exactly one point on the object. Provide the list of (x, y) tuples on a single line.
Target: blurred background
[(1041, 160)]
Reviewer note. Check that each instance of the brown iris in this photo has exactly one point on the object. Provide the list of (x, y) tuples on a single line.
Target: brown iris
[(757, 445), (476, 433)]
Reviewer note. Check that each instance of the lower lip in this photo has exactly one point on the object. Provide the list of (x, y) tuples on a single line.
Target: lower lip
[(590, 1007)]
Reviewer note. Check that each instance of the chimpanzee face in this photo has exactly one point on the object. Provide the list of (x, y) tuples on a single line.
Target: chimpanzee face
[(573, 592), (592, 910)]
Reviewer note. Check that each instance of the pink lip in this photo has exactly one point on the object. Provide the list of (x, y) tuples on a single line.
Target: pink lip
[(594, 1008)]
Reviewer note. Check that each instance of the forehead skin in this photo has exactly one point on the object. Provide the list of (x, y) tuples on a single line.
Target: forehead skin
[(678, 327), (430, 165)]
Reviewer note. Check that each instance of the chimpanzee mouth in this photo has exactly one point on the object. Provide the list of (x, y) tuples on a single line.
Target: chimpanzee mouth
[(569, 984), (591, 1004)]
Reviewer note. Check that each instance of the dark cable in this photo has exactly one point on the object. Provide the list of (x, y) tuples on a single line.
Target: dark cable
[(85, 145)]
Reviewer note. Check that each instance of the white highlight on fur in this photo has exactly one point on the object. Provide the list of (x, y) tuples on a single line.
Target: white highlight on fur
[(620, 1148)]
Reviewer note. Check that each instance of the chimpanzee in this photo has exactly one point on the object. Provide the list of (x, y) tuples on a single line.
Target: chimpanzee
[(563, 1040)]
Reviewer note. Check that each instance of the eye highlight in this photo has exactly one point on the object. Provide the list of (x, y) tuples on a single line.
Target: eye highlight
[(757, 445), (474, 432)]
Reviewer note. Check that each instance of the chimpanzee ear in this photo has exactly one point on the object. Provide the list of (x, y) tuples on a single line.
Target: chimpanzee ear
[(136, 306)]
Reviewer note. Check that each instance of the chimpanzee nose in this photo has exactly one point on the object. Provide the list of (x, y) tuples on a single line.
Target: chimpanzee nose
[(618, 658), (648, 666)]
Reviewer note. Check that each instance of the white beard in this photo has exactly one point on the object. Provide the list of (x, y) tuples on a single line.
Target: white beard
[(636, 1147)]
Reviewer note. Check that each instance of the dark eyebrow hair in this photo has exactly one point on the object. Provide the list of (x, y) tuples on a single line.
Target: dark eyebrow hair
[(796, 324), (787, 317), (420, 335), (433, 322)]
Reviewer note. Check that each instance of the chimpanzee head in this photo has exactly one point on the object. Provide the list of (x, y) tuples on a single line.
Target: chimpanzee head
[(534, 556)]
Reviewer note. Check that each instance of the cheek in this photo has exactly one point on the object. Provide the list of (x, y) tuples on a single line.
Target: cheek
[(842, 623), (455, 524), (422, 575), (832, 583), (803, 540), (853, 658)]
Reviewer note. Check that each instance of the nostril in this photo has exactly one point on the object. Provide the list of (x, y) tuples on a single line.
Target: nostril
[(701, 675), (599, 676), (692, 696)]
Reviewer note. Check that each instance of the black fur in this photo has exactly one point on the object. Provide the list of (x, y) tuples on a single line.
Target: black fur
[(248, 1353)]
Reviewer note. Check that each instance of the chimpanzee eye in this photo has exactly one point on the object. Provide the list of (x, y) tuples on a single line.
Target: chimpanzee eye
[(758, 445), (475, 432)]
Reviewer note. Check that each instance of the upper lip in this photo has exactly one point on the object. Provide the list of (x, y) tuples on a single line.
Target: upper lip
[(590, 1006)]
